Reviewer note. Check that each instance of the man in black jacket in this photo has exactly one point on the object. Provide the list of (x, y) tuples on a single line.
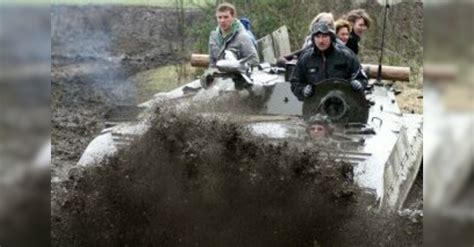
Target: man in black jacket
[(325, 60)]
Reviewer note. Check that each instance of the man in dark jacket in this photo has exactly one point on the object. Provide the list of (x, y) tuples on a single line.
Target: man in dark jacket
[(326, 60)]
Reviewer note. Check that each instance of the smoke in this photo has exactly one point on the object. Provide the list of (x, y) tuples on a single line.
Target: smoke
[(83, 38), (104, 45)]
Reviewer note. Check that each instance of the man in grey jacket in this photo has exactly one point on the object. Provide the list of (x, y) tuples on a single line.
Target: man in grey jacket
[(230, 35)]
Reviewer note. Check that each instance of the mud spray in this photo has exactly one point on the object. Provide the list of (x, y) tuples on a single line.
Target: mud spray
[(198, 181)]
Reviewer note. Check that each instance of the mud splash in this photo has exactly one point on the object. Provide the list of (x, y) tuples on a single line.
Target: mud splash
[(200, 181)]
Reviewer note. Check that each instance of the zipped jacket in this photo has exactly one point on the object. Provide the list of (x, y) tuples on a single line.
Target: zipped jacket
[(315, 66), (238, 41)]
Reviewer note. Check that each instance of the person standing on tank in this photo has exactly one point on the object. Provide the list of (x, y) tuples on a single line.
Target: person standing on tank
[(327, 60), (230, 34), (343, 30), (325, 17), (360, 22)]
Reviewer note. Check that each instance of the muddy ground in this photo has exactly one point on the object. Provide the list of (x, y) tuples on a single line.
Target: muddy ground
[(191, 181)]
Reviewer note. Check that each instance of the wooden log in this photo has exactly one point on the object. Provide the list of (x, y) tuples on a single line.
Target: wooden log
[(392, 73), (199, 60), (388, 72)]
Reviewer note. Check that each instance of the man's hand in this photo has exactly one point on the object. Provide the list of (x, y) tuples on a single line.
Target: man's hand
[(356, 85), (308, 91)]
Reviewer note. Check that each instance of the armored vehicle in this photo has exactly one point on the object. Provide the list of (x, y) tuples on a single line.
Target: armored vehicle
[(368, 130)]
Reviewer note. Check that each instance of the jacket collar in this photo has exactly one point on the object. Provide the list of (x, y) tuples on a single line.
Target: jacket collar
[(355, 36)]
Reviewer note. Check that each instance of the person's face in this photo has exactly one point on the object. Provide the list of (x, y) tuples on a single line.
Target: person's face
[(317, 131), (343, 34), (359, 27), (322, 41), (224, 19)]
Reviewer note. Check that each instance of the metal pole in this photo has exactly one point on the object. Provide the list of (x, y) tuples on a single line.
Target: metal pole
[(379, 72)]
